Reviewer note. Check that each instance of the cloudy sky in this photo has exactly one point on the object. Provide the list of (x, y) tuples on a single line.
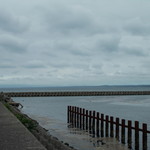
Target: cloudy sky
[(74, 42)]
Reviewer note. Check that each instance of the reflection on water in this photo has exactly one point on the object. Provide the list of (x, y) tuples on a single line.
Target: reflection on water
[(51, 113), (98, 143)]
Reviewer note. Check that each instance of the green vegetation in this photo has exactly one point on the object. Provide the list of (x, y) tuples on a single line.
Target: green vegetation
[(30, 124), (8, 106)]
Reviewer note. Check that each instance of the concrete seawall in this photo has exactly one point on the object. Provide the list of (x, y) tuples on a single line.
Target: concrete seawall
[(14, 135), (75, 93)]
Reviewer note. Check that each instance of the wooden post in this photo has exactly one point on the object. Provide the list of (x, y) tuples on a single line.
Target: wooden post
[(102, 125), (144, 139), (80, 118), (97, 125), (90, 116), (123, 131), (136, 135), (111, 126), (117, 129), (87, 120), (129, 134), (73, 116), (93, 124), (68, 114), (83, 119), (107, 125), (77, 117)]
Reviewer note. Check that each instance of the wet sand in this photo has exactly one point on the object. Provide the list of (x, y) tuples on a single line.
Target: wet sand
[(77, 138), (51, 113)]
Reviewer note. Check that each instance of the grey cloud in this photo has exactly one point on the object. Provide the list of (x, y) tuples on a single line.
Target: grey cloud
[(97, 66), (146, 65), (80, 53), (107, 43), (65, 48), (74, 47), (62, 45), (34, 64), (74, 42), (61, 64), (74, 20), (135, 52), (9, 23), (137, 26), (12, 44), (7, 66)]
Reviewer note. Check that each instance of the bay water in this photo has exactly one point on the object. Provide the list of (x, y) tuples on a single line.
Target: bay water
[(51, 112)]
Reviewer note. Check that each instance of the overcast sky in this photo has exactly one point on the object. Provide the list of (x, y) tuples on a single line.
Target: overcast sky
[(74, 42)]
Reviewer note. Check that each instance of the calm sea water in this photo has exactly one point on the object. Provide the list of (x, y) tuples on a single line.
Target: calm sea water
[(79, 88), (51, 112)]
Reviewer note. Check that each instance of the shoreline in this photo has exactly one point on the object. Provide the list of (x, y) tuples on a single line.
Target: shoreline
[(48, 141), (53, 143)]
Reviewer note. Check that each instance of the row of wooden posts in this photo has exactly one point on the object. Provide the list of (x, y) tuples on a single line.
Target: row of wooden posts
[(100, 125)]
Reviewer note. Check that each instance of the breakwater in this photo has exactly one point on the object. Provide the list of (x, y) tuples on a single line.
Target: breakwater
[(75, 93)]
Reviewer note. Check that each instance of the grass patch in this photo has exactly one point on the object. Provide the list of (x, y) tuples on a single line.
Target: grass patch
[(8, 106), (29, 123)]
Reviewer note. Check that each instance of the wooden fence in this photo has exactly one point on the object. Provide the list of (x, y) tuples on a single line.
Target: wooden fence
[(100, 125)]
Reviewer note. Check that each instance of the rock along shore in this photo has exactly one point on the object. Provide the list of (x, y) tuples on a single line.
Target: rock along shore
[(47, 140)]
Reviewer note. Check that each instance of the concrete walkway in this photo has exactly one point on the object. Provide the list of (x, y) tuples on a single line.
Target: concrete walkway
[(13, 134)]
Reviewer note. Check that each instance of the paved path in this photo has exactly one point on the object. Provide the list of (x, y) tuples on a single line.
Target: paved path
[(13, 134)]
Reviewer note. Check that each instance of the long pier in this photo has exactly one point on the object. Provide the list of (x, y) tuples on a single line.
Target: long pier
[(75, 93)]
